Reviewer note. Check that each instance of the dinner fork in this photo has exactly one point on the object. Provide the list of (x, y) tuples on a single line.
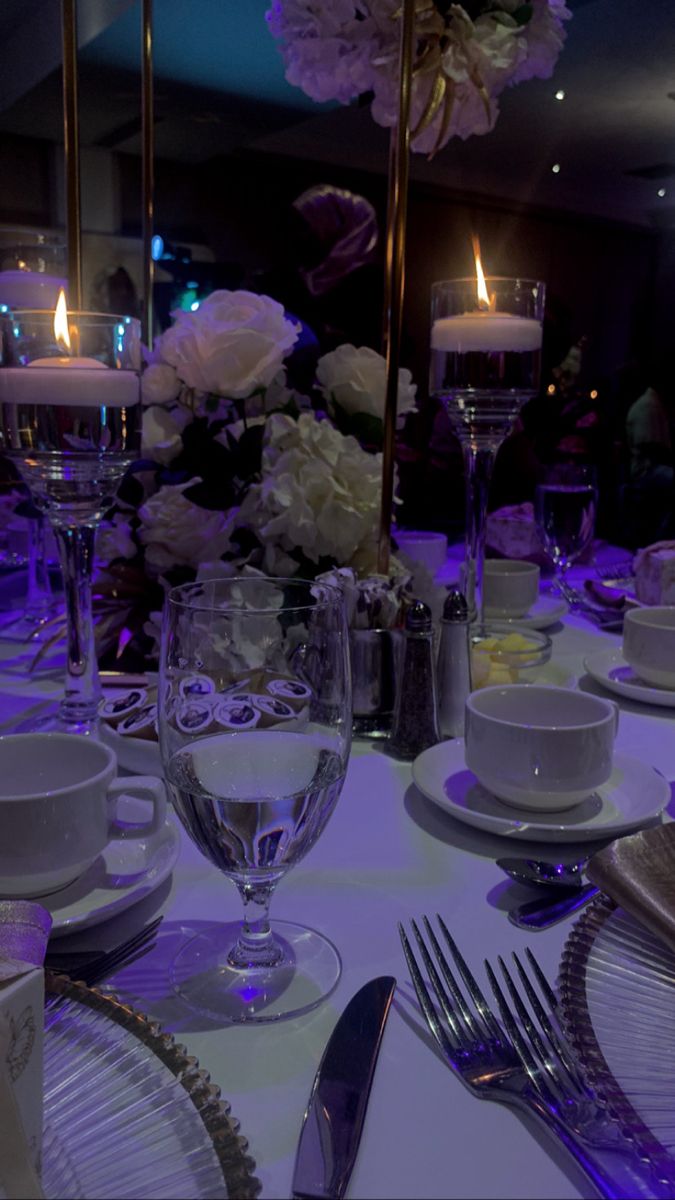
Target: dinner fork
[(93, 968), (524, 1060), (618, 570), (611, 620)]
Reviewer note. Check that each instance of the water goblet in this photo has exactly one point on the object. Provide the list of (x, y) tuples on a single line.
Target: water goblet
[(565, 504), (255, 733), (486, 339), (70, 420)]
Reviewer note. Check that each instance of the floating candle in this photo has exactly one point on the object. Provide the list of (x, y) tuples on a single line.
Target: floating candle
[(489, 332), (72, 382), (68, 380)]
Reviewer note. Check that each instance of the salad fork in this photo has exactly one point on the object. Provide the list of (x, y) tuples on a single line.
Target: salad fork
[(522, 1058)]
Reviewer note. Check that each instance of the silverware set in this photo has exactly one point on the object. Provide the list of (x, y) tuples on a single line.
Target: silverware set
[(611, 620), (93, 967), (517, 1054), (562, 887)]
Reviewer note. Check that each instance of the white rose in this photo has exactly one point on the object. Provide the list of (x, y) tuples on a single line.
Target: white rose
[(114, 540), (233, 345), (159, 384), (176, 532), (162, 430), (357, 381), (320, 492)]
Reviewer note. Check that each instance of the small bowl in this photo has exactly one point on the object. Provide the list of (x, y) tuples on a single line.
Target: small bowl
[(503, 653)]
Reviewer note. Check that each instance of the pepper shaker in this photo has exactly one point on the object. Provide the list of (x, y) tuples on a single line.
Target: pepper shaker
[(454, 664), (415, 725)]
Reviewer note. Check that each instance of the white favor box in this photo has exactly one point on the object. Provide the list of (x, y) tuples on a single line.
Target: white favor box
[(21, 1036), (655, 573)]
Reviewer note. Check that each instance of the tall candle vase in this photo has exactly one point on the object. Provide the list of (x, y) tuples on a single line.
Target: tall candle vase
[(485, 363), (70, 418)]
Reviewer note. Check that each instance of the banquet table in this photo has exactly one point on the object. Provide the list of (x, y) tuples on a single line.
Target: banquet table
[(388, 854)]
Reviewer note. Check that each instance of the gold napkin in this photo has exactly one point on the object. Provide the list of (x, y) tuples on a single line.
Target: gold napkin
[(638, 872), (24, 930)]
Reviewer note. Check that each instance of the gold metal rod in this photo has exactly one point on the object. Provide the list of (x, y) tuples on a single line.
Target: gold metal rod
[(71, 145), (399, 163), (148, 137)]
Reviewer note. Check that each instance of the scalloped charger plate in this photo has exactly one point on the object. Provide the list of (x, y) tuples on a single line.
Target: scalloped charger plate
[(127, 1112), (617, 999)]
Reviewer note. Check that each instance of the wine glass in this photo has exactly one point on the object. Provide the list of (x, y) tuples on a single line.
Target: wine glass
[(255, 733), (565, 504), (486, 339), (70, 419)]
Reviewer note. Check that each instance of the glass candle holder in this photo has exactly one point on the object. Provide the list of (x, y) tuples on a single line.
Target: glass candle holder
[(70, 419), (485, 363)]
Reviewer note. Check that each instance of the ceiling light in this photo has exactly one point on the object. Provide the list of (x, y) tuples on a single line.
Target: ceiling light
[(556, 168), (560, 94), (661, 192)]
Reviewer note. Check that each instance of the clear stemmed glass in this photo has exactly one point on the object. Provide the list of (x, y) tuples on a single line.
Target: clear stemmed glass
[(565, 504), (485, 363), (34, 621), (255, 732), (70, 419)]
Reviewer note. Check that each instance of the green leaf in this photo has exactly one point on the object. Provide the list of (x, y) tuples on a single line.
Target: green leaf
[(367, 429), (523, 14)]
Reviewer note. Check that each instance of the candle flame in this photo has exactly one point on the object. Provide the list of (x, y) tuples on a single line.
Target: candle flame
[(61, 331), (484, 299)]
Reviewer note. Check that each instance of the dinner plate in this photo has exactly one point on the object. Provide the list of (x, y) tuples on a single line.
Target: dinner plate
[(544, 612), (634, 795), (610, 668), (613, 965), (124, 873), (126, 1112)]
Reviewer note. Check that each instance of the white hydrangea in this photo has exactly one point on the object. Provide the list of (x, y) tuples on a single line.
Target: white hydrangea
[(176, 532), (340, 50), (320, 492)]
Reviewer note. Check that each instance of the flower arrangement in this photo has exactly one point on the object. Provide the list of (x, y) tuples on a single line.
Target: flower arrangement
[(240, 473), (465, 55)]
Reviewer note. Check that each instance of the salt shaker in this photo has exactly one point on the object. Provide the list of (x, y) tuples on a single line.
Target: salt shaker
[(454, 664), (415, 725)]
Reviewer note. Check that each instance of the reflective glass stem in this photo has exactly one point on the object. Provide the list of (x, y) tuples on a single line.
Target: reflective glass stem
[(256, 945), (39, 599), (79, 707), (478, 464)]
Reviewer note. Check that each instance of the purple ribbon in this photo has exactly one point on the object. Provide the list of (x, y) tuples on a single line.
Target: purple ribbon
[(24, 931)]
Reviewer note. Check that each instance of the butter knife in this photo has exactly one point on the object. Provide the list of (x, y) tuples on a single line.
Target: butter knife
[(333, 1120)]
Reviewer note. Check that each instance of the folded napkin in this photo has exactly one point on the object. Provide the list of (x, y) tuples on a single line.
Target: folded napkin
[(24, 931), (638, 872)]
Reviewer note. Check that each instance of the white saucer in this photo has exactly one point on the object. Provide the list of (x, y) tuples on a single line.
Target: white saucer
[(634, 795), (610, 668), (544, 612), (127, 871), (137, 755)]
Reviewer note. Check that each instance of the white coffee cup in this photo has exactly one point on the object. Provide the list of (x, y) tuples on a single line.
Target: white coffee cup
[(58, 798), (649, 643), (538, 747), (423, 546), (510, 587)]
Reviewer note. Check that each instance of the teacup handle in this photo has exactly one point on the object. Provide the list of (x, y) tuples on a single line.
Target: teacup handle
[(143, 787)]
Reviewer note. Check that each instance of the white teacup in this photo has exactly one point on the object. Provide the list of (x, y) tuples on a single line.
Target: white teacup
[(510, 587), (423, 546), (539, 747), (58, 798), (649, 643)]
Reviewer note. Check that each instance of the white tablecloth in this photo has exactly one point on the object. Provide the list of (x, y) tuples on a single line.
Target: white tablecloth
[(386, 855)]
